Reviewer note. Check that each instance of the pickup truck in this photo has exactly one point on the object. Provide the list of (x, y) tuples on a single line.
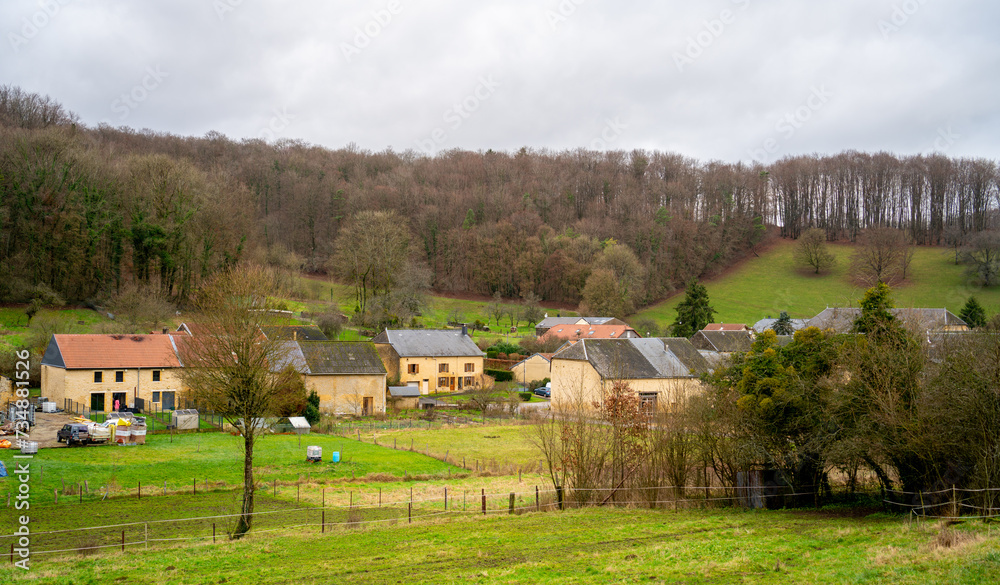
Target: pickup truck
[(73, 433)]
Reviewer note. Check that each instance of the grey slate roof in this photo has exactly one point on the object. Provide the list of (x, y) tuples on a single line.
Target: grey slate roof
[(429, 342), (404, 391), (688, 354), (840, 319), (299, 332), (341, 357), (765, 324), (723, 341), (291, 356), (636, 358)]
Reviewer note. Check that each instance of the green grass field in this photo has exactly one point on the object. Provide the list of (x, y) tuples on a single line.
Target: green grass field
[(217, 458), (504, 444), (763, 287), (578, 546)]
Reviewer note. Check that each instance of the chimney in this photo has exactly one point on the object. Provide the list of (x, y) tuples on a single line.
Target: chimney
[(164, 330), (465, 330)]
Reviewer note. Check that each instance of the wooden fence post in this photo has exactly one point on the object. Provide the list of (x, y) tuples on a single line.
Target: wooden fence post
[(123, 541), (510, 509), (213, 532), (139, 491), (559, 496), (484, 502), (537, 506), (322, 521), (446, 499)]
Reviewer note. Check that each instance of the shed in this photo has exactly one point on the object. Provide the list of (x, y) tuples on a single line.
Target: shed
[(404, 396), (293, 424), (185, 419)]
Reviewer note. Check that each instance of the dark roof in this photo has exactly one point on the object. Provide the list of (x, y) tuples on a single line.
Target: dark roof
[(637, 358), (341, 357), (429, 342), (688, 354), (841, 319), (723, 341), (297, 332)]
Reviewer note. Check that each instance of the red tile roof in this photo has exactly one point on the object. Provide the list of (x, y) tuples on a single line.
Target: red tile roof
[(726, 327), (113, 352), (571, 332)]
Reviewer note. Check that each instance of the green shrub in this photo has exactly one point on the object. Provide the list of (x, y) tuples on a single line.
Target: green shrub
[(525, 396), (505, 347), (500, 375)]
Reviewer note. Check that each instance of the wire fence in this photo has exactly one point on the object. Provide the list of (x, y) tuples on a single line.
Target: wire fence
[(946, 504), (368, 510)]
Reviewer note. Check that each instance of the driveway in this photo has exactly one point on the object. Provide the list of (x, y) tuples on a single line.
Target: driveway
[(46, 427)]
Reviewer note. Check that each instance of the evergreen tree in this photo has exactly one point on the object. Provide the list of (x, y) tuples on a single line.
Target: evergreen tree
[(973, 314), (694, 312), (783, 326), (875, 314)]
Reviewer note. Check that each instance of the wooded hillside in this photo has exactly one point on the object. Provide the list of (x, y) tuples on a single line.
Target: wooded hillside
[(84, 210)]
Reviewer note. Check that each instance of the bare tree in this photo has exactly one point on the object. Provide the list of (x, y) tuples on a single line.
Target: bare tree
[(983, 257), (811, 251), (370, 254), (882, 255), (230, 364), (140, 307), (495, 309)]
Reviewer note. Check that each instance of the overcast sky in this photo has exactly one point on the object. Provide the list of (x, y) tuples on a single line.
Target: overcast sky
[(721, 79)]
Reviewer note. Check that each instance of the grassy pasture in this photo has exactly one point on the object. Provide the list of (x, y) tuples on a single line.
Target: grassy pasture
[(505, 444), (577, 546), (765, 286), (215, 457)]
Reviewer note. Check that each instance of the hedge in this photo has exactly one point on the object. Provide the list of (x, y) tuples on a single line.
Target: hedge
[(500, 375)]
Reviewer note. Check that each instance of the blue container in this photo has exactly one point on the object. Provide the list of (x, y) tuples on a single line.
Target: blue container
[(335, 457)]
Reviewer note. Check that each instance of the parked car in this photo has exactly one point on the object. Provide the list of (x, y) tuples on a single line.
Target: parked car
[(73, 433), (544, 391)]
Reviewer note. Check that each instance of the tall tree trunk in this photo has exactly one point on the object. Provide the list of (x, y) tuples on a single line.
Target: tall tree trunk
[(246, 512)]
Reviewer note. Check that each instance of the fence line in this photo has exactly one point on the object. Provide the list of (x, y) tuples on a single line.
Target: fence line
[(406, 510)]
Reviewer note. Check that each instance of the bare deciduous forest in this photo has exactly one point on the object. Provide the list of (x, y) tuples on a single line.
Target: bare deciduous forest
[(85, 210)]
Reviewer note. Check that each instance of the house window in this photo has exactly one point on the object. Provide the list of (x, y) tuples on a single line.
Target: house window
[(442, 368), (647, 401), (156, 396), (97, 402), (98, 377), (413, 368), (442, 382), (119, 376), (156, 375), (469, 381), (470, 367)]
